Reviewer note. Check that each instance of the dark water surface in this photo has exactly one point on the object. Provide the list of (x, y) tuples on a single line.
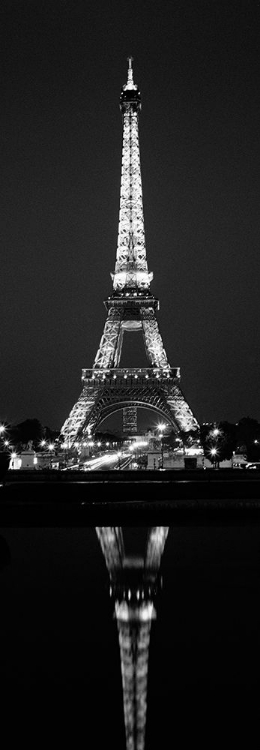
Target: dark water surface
[(59, 649)]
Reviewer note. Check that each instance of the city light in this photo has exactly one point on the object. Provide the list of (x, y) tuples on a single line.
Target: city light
[(162, 427), (2, 429), (215, 432)]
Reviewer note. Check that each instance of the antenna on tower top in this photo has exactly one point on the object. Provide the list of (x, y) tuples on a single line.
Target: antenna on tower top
[(130, 70)]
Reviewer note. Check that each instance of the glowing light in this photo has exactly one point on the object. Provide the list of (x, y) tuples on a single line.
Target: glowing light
[(143, 613), (2, 428), (51, 447), (215, 432), (42, 443), (13, 455)]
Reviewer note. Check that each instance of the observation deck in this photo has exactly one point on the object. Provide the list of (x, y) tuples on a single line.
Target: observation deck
[(125, 376), (131, 303)]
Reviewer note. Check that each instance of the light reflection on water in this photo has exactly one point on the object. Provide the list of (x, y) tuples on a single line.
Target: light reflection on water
[(59, 638)]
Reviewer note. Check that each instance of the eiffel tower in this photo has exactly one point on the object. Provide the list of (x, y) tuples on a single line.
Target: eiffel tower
[(133, 587), (131, 307)]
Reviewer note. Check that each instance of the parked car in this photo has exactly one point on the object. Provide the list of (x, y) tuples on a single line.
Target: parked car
[(253, 465)]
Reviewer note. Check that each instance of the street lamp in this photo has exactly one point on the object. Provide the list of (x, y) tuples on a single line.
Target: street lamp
[(215, 433), (213, 453), (161, 427)]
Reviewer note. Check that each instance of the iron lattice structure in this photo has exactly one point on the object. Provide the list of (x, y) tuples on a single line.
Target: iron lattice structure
[(131, 307), (133, 586)]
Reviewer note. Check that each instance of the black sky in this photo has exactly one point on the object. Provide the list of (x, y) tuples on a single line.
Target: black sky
[(63, 64)]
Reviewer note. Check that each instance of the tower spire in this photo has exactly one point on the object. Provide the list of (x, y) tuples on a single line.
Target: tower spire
[(130, 79), (131, 270)]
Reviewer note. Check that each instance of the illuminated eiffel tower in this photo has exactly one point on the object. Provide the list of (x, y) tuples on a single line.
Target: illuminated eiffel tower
[(133, 586), (131, 307)]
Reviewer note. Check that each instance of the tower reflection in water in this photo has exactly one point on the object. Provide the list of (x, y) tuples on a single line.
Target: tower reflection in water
[(134, 584)]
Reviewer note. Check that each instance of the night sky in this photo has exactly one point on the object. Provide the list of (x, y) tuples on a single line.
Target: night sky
[(63, 64)]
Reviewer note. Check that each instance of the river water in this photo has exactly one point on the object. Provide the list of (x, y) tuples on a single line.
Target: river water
[(59, 649)]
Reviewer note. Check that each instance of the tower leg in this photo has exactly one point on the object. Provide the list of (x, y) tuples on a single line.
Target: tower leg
[(109, 348), (181, 411), (79, 414), (153, 342)]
